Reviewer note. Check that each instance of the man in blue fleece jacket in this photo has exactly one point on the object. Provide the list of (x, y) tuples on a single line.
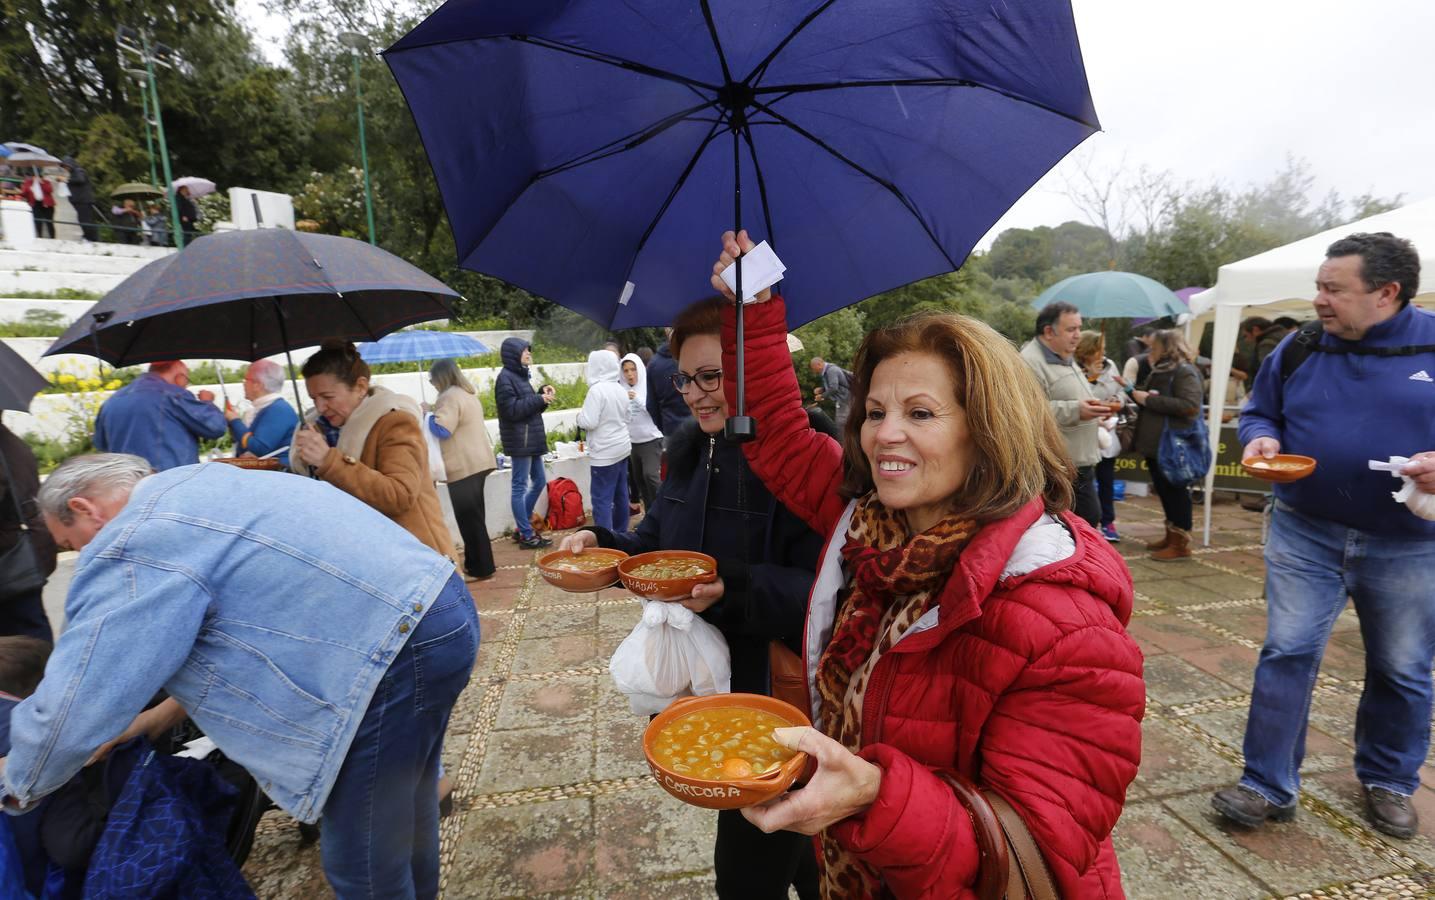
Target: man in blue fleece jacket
[(1338, 533)]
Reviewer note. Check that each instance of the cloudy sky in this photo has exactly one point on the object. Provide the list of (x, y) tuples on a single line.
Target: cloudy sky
[(1225, 90)]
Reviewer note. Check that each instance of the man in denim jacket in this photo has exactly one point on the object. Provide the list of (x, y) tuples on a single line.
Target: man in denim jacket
[(316, 642)]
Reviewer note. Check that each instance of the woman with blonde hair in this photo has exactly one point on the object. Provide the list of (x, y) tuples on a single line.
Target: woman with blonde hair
[(1173, 391), (467, 459), (1107, 385), (964, 625)]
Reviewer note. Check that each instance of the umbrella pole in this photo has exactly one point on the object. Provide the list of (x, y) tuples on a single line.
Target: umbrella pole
[(740, 428), (219, 375), (293, 379)]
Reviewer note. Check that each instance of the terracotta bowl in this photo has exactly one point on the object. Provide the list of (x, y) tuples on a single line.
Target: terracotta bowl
[(1114, 405), (249, 462), (1293, 467), (736, 793), (581, 582), (669, 588)]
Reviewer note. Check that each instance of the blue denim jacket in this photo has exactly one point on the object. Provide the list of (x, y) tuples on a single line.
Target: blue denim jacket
[(160, 421), (269, 606)]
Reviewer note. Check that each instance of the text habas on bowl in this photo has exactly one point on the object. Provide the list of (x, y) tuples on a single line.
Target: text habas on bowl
[(718, 751), (592, 570)]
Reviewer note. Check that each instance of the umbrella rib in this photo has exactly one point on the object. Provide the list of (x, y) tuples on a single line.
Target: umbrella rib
[(607, 58), (891, 188), (717, 44), (672, 194), (625, 143), (788, 89), (760, 69), (761, 182)]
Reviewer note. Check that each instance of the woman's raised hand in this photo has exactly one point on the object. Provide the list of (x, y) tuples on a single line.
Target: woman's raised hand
[(311, 446), (734, 246), (578, 541), (845, 785)]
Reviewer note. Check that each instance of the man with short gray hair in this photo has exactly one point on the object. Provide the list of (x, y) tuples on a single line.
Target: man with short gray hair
[(270, 421), (316, 642)]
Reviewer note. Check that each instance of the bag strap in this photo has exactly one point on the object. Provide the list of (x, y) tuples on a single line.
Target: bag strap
[(994, 869), (1011, 864)]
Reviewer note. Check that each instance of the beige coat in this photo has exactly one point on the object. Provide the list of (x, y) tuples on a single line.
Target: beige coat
[(468, 451), (1065, 387), (383, 460)]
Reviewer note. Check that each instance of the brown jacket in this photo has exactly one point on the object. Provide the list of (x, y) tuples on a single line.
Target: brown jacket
[(391, 472), (468, 451)]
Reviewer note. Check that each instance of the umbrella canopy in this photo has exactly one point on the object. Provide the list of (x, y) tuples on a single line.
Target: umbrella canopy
[(1183, 294), (1113, 295), (198, 187), (31, 160), (21, 146), (135, 189), (19, 382), (249, 294), (417, 345), (872, 142)]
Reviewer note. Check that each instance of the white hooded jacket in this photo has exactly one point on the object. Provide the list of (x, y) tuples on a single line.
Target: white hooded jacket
[(605, 413), (641, 428)]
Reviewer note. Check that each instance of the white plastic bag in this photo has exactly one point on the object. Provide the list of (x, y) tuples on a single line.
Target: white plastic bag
[(1417, 501), (670, 653)]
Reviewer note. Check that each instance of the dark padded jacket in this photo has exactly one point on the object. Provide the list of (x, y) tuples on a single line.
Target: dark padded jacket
[(665, 405), (520, 409), (712, 502)]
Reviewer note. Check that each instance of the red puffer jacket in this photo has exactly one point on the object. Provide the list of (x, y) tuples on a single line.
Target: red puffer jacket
[(1022, 676)]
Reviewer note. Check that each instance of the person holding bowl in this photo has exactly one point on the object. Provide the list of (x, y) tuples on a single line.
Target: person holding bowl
[(962, 620), (712, 502)]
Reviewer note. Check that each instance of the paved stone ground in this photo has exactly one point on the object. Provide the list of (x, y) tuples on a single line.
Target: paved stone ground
[(553, 796)]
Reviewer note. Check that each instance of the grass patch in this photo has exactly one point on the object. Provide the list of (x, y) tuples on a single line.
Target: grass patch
[(60, 294)]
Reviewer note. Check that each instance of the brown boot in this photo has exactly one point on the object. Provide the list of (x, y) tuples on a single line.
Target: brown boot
[(1178, 548), (1161, 544)]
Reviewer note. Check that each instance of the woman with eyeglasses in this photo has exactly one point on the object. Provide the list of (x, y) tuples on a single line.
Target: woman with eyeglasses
[(712, 502)]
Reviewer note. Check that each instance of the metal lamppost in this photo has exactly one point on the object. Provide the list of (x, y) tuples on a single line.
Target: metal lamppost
[(358, 43), (135, 43), (141, 76)]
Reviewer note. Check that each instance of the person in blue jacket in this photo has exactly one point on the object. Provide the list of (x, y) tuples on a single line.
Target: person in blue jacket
[(712, 502), (520, 429), (666, 406), (1362, 388), (270, 421), (156, 417)]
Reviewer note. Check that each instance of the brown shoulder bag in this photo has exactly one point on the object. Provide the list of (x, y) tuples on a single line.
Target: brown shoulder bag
[(1012, 867)]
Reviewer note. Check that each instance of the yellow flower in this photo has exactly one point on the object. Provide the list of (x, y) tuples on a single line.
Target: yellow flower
[(65, 378), (89, 384), (112, 385)]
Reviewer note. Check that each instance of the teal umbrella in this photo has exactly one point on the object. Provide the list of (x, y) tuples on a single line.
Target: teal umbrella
[(1114, 295)]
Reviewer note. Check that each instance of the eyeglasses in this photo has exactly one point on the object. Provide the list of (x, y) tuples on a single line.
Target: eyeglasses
[(708, 381)]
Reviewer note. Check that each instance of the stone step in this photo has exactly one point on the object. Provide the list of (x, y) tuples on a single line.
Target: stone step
[(31, 260), (88, 248), (27, 281), (13, 309)]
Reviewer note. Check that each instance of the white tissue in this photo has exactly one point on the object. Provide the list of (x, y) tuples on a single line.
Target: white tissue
[(761, 269), (1417, 501)]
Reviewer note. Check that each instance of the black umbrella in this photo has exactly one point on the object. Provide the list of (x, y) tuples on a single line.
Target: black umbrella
[(249, 294), (19, 382)]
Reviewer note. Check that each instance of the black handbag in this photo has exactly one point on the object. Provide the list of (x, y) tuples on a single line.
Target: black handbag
[(20, 572)]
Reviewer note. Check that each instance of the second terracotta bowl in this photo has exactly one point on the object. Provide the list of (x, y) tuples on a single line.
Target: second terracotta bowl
[(728, 794), (1280, 469), (665, 588), (577, 582)]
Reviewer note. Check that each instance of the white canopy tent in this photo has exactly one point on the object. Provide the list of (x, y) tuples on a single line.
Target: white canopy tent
[(1282, 282)]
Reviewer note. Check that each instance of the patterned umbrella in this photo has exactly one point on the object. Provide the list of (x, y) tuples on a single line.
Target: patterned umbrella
[(420, 345)]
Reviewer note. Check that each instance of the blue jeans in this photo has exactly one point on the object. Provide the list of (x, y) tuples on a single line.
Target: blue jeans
[(608, 490), (1312, 565), (526, 470), (380, 827)]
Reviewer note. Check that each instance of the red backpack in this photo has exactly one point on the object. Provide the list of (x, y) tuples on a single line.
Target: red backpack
[(565, 505)]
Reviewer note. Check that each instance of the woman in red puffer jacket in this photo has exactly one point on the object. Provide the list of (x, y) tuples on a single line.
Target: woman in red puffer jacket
[(962, 618)]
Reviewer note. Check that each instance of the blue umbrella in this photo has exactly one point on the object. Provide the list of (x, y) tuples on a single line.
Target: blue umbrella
[(420, 345), (250, 294), (1113, 295), (592, 152)]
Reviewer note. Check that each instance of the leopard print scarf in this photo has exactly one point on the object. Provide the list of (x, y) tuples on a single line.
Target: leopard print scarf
[(893, 582)]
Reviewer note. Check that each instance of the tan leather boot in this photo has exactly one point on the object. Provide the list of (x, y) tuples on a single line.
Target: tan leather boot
[(1178, 548), (1161, 544)]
